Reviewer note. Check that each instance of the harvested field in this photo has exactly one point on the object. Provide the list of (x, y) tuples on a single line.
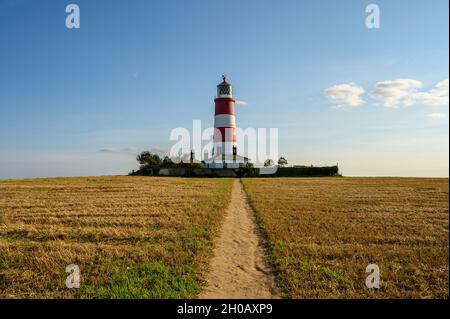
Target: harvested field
[(323, 232), (132, 237)]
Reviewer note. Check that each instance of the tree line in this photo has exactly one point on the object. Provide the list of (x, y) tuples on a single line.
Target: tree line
[(151, 163)]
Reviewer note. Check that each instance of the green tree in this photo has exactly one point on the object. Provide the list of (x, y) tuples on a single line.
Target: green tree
[(167, 162), (147, 159), (282, 162), (249, 165)]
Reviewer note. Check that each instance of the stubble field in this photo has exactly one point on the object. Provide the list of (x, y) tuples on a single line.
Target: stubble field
[(132, 237), (141, 237), (323, 232)]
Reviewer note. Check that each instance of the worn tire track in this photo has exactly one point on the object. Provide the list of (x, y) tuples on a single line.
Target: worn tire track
[(239, 268)]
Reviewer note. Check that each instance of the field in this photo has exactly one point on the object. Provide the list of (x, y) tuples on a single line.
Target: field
[(152, 237), (132, 237), (323, 232)]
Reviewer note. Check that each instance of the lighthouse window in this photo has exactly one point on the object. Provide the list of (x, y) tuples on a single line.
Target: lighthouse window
[(224, 90)]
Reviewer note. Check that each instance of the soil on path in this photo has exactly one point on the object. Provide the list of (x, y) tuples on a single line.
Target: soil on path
[(239, 268)]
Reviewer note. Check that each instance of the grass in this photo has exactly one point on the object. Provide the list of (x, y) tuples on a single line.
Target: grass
[(323, 232), (132, 237), (141, 237)]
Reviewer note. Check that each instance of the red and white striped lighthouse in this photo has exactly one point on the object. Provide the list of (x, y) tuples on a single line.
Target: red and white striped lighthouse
[(224, 121), (224, 153)]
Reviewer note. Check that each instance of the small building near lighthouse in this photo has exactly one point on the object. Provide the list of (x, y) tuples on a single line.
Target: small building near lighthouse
[(224, 152)]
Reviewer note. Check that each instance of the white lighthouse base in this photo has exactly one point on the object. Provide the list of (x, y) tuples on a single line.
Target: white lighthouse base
[(226, 161)]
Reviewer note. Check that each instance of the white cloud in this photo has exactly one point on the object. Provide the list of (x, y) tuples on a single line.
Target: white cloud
[(161, 151), (345, 95), (405, 93), (396, 93), (127, 150), (241, 102), (435, 97), (437, 117)]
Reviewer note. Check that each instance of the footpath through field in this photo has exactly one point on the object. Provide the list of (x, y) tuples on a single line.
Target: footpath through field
[(239, 269)]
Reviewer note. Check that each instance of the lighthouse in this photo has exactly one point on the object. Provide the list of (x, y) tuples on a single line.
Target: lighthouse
[(224, 152)]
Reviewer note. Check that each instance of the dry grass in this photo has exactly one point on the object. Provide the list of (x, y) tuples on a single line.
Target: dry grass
[(323, 232), (132, 237)]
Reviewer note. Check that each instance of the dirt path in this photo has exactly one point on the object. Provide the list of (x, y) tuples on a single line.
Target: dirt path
[(238, 269)]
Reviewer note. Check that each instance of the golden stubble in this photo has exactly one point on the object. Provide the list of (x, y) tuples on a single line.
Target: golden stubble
[(323, 232), (105, 225)]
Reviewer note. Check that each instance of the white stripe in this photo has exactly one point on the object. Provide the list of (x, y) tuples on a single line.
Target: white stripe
[(224, 120), (221, 96), (224, 148)]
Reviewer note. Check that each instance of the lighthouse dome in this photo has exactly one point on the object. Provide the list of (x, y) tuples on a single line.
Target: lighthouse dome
[(224, 89)]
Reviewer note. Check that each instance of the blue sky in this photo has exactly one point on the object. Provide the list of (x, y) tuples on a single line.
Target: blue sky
[(137, 69)]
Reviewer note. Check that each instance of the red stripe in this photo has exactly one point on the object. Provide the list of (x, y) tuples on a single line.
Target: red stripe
[(220, 134), (224, 106)]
